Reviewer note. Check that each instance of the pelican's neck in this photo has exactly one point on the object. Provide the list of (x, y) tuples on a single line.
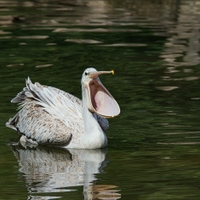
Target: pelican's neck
[(90, 123), (92, 130)]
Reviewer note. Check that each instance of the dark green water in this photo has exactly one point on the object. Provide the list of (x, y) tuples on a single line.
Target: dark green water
[(154, 144)]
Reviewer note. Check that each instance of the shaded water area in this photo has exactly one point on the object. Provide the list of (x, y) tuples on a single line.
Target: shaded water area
[(154, 144)]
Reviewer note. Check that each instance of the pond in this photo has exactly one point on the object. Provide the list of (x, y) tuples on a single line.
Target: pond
[(154, 144)]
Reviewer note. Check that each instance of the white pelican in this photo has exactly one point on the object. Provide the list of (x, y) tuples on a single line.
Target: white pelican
[(48, 115)]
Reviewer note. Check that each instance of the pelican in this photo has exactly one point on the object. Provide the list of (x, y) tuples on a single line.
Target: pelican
[(48, 115)]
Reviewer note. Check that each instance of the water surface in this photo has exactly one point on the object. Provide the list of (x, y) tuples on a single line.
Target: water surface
[(154, 145)]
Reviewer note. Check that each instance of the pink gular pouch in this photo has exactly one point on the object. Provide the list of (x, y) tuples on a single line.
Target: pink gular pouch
[(100, 100)]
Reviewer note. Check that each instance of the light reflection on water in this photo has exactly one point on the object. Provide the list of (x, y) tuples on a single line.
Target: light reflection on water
[(153, 46)]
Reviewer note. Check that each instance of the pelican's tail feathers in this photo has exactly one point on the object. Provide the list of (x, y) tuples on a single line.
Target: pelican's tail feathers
[(20, 97), (10, 124), (24, 94)]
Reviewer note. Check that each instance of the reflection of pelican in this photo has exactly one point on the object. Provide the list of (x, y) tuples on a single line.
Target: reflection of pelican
[(48, 170), (51, 116)]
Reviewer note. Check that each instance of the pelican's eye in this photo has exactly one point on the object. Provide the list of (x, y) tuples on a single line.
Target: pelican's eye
[(87, 73)]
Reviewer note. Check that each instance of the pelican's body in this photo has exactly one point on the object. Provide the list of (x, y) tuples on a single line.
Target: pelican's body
[(48, 115)]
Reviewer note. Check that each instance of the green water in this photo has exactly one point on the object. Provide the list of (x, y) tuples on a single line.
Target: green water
[(154, 144)]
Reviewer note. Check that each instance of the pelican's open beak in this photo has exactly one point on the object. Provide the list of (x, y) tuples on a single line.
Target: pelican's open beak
[(100, 100)]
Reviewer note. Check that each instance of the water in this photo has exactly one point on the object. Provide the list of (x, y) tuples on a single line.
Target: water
[(153, 46)]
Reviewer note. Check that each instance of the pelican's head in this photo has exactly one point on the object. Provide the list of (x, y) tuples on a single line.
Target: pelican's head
[(99, 100)]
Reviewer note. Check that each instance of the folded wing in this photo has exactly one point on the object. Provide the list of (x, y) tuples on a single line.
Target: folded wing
[(47, 115)]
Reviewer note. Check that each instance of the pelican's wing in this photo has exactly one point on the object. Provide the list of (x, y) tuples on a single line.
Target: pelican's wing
[(47, 114)]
